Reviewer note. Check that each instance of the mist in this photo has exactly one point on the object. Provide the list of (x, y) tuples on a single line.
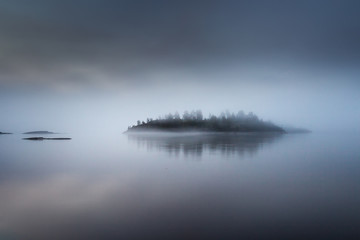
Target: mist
[(74, 75), (325, 102), (107, 64)]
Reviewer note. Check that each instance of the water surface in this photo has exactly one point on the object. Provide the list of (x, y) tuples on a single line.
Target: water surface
[(250, 186)]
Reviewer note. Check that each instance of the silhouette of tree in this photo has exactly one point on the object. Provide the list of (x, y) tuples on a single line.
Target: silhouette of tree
[(186, 116), (177, 116), (169, 117), (199, 115), (225, 122)]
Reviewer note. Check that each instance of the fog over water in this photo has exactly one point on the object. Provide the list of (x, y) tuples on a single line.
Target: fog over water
[(79, 66), (88, 69), (256, 186)]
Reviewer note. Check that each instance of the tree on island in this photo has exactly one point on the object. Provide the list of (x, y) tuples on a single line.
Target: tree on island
[(194, 120)]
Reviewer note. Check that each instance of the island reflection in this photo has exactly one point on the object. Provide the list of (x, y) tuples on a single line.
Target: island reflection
[(195, 145)]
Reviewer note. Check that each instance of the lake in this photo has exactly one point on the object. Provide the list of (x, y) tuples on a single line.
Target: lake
[(213, 186)]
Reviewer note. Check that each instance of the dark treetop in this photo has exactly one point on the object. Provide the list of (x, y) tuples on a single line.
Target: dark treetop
[(194, 121)]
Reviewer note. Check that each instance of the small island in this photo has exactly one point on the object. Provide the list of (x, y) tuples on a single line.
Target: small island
[(42, 138), (4, 133), (194, 121), (39, 132)]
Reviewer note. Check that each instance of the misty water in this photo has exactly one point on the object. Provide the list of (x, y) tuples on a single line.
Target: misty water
[(218, 186)]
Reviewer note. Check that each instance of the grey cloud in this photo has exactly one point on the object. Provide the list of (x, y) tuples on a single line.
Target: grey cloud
[(49, 39)]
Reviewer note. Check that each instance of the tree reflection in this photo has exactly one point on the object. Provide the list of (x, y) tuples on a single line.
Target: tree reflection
[(198, 144)]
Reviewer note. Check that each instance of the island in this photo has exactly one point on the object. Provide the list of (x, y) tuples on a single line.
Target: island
[(194, 121), (39, 132), (42, 138), (4, 133)]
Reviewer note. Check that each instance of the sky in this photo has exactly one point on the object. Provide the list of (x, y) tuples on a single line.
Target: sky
[(71, 66)]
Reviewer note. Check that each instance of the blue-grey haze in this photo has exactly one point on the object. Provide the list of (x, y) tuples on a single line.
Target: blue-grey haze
[(252, 186), (88, 69), (78, 65)]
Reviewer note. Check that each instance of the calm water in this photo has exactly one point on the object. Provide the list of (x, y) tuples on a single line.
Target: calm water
[(292, 186)]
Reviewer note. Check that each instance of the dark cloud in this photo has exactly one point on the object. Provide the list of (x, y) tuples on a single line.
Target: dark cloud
[(77, 40)]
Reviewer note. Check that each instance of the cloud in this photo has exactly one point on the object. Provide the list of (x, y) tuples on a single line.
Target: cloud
[(57, 42)]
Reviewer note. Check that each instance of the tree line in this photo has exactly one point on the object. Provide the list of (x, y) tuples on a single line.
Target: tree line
[(225, 121)]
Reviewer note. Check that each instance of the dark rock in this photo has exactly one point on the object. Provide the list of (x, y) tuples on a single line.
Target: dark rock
[(42, 138)]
